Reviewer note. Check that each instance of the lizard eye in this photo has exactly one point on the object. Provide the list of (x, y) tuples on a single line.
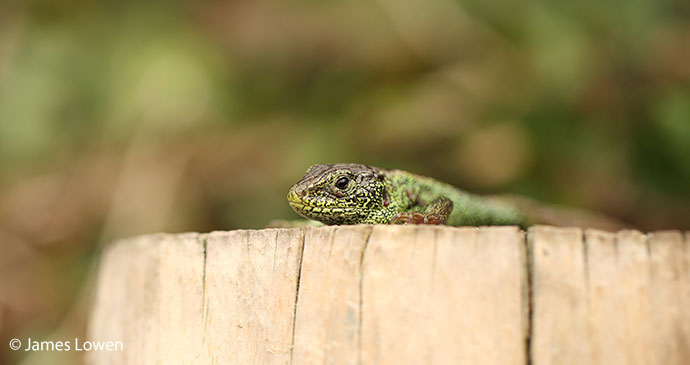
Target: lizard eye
[(342, 183)]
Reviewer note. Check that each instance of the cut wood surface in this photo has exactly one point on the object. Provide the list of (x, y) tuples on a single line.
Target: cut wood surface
[(395, 295)]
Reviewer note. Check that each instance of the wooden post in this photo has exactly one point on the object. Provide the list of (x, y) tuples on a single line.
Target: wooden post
[(396, 294)]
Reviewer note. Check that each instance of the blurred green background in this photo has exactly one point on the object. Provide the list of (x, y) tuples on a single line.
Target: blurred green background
[(125, 117)]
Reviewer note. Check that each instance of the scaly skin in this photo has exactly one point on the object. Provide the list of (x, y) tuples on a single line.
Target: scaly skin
[(353, 194)]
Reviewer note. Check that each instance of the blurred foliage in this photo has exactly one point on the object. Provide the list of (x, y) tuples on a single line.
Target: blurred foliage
[(124, 117)]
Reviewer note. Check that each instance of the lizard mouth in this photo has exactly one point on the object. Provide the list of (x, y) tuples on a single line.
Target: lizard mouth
[(312, 212), (294, 200), (298, 205), (317, 211), (306, 208)]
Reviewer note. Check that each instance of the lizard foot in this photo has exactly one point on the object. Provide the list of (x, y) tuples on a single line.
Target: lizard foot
[(417, 218), (436, 213)]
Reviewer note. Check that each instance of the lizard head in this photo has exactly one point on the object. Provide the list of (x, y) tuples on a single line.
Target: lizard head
[(339, 193)]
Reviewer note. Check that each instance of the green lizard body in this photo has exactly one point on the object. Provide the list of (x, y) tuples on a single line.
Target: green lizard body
[(353, 194)]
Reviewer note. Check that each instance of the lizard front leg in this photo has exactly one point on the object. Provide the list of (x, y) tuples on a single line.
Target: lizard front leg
[(437, 212)]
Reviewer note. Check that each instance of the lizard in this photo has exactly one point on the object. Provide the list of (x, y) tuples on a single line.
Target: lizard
[(348, 193)]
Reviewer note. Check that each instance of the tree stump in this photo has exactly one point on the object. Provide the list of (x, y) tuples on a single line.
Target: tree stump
[(396, 295)]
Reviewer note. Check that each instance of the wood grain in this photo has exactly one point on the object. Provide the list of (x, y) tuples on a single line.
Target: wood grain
[(396, 294)]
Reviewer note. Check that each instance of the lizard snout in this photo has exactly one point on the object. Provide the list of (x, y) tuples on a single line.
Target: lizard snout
[(296, 194)]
